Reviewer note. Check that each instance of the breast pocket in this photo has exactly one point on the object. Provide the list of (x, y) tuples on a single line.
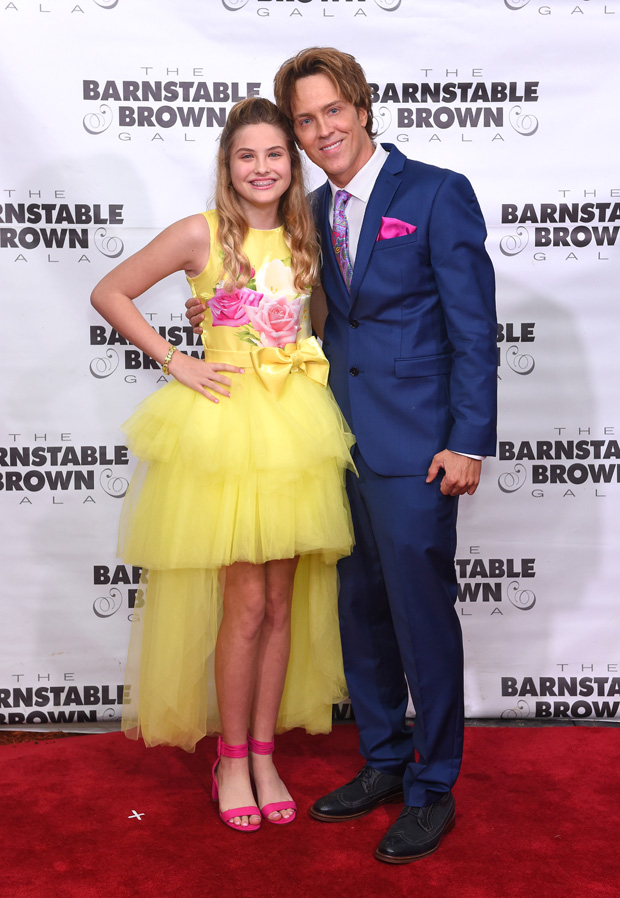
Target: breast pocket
[(395, 242), (401, 260)]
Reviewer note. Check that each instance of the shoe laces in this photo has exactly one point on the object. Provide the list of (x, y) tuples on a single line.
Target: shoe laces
[(367, 777)]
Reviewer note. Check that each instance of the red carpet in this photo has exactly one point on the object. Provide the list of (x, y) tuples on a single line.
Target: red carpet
[(538, 814)]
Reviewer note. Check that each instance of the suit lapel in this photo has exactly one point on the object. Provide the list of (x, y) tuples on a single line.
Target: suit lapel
[(386, 185)]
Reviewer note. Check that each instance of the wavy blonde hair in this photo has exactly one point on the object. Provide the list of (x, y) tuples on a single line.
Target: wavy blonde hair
[(233, 227)]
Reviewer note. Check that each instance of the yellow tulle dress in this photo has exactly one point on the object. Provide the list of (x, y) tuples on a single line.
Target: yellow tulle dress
[(256, 477)]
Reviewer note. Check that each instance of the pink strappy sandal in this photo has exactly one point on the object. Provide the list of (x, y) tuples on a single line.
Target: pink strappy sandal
[(233, 751), (266, 748)]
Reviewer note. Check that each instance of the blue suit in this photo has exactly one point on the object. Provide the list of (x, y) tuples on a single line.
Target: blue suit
[(413, 359)]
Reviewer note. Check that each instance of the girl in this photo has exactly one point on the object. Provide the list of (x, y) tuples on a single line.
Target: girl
[(237, 511)]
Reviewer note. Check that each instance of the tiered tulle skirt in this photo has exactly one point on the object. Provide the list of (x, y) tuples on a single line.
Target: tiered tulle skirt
[(252, 478)]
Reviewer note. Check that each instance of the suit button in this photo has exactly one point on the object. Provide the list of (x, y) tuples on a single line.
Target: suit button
[(354, 323), (354, 371)]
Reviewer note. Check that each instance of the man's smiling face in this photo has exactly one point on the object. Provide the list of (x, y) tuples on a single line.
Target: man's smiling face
[(330, 129)]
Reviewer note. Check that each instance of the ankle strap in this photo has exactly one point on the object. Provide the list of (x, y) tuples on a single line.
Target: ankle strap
[(260, 748), (231, 751)]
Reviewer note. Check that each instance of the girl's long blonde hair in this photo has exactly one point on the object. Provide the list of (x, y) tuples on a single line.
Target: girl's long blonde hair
[(296, 217)]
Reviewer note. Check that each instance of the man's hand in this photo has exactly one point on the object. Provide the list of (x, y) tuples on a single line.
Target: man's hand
[(195, 313), (462, 474)]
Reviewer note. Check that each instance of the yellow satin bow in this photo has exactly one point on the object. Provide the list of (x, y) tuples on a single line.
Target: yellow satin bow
[(273, 365)]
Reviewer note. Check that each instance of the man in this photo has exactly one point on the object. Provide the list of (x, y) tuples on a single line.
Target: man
[(411, 339)]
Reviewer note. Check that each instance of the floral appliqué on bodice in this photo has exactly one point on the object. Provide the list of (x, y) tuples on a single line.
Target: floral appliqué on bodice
[(269, 311)]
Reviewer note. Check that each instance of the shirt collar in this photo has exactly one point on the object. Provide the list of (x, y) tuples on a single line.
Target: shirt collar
[(360, 186)]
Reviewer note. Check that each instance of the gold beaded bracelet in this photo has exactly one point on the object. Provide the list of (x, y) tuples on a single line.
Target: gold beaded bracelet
[(171, 352)]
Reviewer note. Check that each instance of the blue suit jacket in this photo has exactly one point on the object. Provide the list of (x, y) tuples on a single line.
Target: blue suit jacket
[(413, 346)]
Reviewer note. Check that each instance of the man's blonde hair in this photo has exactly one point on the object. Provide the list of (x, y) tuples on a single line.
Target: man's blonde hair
[(343, 70)]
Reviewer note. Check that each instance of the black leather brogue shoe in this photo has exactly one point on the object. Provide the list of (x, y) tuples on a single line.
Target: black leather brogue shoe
[(417, 832), (368, 790)]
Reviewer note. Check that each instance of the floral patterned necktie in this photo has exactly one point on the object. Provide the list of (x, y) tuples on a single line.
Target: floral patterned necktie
[(340, 235)]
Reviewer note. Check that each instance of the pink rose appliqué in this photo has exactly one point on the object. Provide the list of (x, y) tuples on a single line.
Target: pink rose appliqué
[(230, 309), (276, 320)]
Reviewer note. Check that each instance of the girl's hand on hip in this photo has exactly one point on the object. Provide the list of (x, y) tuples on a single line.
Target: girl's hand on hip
[(203, 377)]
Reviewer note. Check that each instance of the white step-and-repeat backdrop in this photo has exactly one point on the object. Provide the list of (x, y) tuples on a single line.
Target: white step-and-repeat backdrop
[(111, 111)]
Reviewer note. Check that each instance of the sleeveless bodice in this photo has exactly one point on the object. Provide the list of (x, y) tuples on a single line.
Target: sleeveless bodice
[(269, 311)]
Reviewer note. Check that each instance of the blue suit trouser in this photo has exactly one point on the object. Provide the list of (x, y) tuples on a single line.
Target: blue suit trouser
[(397, 619)]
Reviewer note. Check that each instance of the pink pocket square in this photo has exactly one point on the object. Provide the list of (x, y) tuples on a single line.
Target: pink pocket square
[(394, 227)]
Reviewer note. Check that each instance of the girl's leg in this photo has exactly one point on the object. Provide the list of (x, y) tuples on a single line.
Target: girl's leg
[(236, 659), (272, 662)]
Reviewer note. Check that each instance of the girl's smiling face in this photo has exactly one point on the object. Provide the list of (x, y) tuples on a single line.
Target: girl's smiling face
[(260, 170)]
